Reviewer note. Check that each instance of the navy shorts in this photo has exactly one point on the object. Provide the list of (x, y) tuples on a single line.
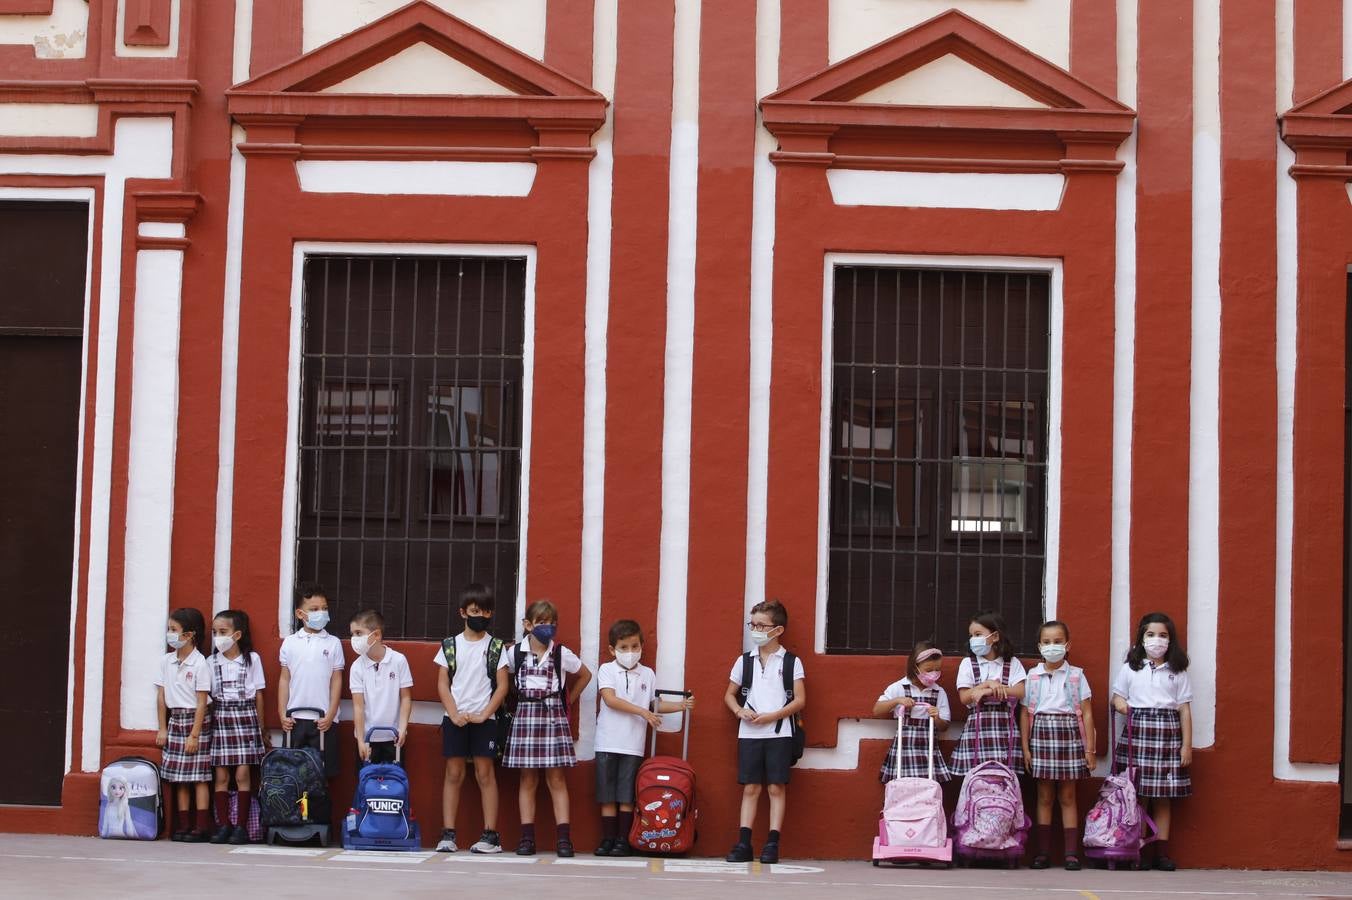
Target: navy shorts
[(764, 760), (471, 739)]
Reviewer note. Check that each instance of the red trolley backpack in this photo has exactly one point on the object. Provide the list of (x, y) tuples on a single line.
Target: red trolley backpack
[(664, 798)]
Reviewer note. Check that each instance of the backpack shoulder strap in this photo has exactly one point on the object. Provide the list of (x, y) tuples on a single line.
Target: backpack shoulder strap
[(1004, 673), (1030, 696), (748, 674), (789, 661), (518, 660), (448, 653), (493, 658), (559, 673), (1073, 687)]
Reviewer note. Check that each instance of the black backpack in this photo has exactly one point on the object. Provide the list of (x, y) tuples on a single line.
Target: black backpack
[(503, 717), (290, 775), (796, 720)]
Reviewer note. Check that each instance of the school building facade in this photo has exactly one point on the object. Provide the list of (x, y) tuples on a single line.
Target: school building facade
[(631, 305)]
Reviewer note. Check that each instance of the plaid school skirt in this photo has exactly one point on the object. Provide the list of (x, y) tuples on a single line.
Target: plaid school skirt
[(178, 764), (235, 740), (1156, 742), (996, 722), (908, 760), (1057, 748), (541, 737)]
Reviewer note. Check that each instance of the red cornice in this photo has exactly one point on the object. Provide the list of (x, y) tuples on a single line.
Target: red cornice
[(26, 7), (114, 96), (166, 206)]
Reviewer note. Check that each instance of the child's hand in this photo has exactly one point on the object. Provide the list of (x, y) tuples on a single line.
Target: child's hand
[(746, 715), (190, 746), (363, 750), (325, 723), (763, 719), (906, 702), (288, 723), (161, 738), (1185, 757), (403, 736), (478, 718), (653, 718), (1027, 761), (934, 713), (1000, 691), (1120, 704), (1090, 760), (688, 704), (460, 719)]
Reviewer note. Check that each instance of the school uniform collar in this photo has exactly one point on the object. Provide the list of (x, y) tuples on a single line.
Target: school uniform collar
[(187, 660), (1163, 664), (778, 654)]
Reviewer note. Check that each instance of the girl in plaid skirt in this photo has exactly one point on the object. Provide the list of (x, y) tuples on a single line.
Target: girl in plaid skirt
[(182, 692), (992, 678), (237, 741), (541, 735), (1058, 740), (1153, 689), (918, 698)]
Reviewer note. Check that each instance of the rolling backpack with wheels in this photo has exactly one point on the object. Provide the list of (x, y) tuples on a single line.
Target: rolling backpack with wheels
[(1114, 830), (665, 813), (130, 805), (913, 826), (381, 817), (989, 821), (294, 794)]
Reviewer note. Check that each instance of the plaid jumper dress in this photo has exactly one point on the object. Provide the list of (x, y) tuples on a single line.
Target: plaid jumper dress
[(908, 759), (1056, 740), (986, 735), (541, 736), (235, 736)]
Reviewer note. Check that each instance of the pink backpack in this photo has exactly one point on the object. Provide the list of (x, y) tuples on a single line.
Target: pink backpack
[(913, 808), (1114, 830), (989, 820)]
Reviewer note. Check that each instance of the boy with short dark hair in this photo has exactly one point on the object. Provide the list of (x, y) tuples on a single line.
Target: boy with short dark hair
[(472, 684), (312, 677), (765, 744), (382, 691)]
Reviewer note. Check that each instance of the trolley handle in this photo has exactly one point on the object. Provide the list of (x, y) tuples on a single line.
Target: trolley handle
[(685, 722), (286, 735), (398, 751)]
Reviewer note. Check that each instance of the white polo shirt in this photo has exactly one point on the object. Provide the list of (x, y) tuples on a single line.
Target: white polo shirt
[(767, 692), (1153, 687), (470, 688), (623, 732), (238, 681), (896, 690), (991, 670), (312, 658), (569, 659), (1053, 689), (379, 684), (183, 678)]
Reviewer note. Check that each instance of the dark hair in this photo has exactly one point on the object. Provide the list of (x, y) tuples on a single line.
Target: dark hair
[(307, 589), (190, 619), (480, 595), (779, 616), (1053, 623), (239, 621), (993, 621), (912, 667), (624, 628), (1175, 656), (370, 620)]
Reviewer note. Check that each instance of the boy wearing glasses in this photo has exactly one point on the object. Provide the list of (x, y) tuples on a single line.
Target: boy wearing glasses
[(758, 694)]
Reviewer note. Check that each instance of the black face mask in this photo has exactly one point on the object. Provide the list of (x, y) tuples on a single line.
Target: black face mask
[(478, 623)]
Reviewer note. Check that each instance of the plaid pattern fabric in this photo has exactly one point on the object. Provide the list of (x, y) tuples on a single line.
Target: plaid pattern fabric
[(995, 722), (908, 760), (235, 740), (179, 765), (1155, 744), (541, 737), (1057, 748)]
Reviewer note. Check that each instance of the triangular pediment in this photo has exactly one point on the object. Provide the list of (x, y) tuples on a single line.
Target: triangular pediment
[(420, 69), (949, 81)]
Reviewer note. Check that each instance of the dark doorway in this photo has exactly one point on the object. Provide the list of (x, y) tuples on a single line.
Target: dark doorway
[(43, 253)]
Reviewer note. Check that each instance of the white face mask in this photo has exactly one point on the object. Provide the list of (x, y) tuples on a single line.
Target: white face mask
[(628, 659), (1156, 647), (1052, 653), (223, 642), (361, 643), (759, 638), (175, 639)]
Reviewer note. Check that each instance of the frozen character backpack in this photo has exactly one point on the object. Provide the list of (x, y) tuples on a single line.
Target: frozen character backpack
[(130, 806), (989, 820), (1115, 829)]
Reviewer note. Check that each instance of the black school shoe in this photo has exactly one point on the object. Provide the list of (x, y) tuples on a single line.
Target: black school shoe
[(1165, 864), (770, 853), (526, 847), (223, 834), (1041, 861), (606, 847), (621, 848), (564, 848), (241, 835), (179, 835), (739, 853), (196, 836)]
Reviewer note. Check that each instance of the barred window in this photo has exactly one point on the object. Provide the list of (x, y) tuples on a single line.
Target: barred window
[(938, 455), (410, 448)]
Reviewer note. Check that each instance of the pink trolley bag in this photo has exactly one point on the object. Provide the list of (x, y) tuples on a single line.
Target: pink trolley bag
[(989, 821), (1114, 830), (913, 827)]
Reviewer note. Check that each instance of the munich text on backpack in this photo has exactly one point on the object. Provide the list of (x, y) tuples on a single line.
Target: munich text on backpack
[(665, 813), (1114, 830), (913, 827), (989, 820), (797, 732), (130, 806), (381, 817), (492, 656), (294, 796)]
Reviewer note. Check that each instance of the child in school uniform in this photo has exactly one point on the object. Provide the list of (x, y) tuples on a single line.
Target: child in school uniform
[(542, 737), (1153, 689), (626, 687), (237, 722), (312, 677), (1058, 740), (988, 680), (182, 695), (765, 732), (472, 684), (382, 691), (916, 700)]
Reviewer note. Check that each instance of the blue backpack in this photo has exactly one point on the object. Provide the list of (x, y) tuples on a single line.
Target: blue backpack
[(381, 817)]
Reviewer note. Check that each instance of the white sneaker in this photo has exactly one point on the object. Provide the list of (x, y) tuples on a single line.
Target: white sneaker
[(447, 842), (488, 842)]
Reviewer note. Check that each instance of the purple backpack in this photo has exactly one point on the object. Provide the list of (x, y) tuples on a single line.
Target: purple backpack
[(989, 821), (1114, 830)]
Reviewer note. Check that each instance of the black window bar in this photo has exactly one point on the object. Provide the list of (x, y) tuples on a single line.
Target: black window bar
[(410, 446), (938, 455)]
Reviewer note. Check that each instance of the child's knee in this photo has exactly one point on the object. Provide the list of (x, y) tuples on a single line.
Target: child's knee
[(243, 779), (484, 772), (455, 771), (554, 778), (751, 790), (530, 778), (776, 790)]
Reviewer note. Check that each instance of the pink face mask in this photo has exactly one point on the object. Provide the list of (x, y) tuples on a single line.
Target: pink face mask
[(930, 679)]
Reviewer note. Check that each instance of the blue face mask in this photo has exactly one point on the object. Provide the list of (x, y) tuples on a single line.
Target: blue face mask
[(980, 645), (544, 633), (315, 621)]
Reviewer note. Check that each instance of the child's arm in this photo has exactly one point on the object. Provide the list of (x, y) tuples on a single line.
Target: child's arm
[(1025, 731), (262, 722), (499, 696), (1185, 719), (405, 711), (335, 692), (789, 709), (584, 677), (1015, 691), (885, 708), (1120, 704), (359, 724), (1090, 736), (447, 699), (199, 716), (609, 699), (162, 714), (671, 706), (283, 697), (973, 695), (730, 697)]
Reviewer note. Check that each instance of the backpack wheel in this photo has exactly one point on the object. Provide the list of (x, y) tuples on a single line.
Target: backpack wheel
[(875, 864)]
